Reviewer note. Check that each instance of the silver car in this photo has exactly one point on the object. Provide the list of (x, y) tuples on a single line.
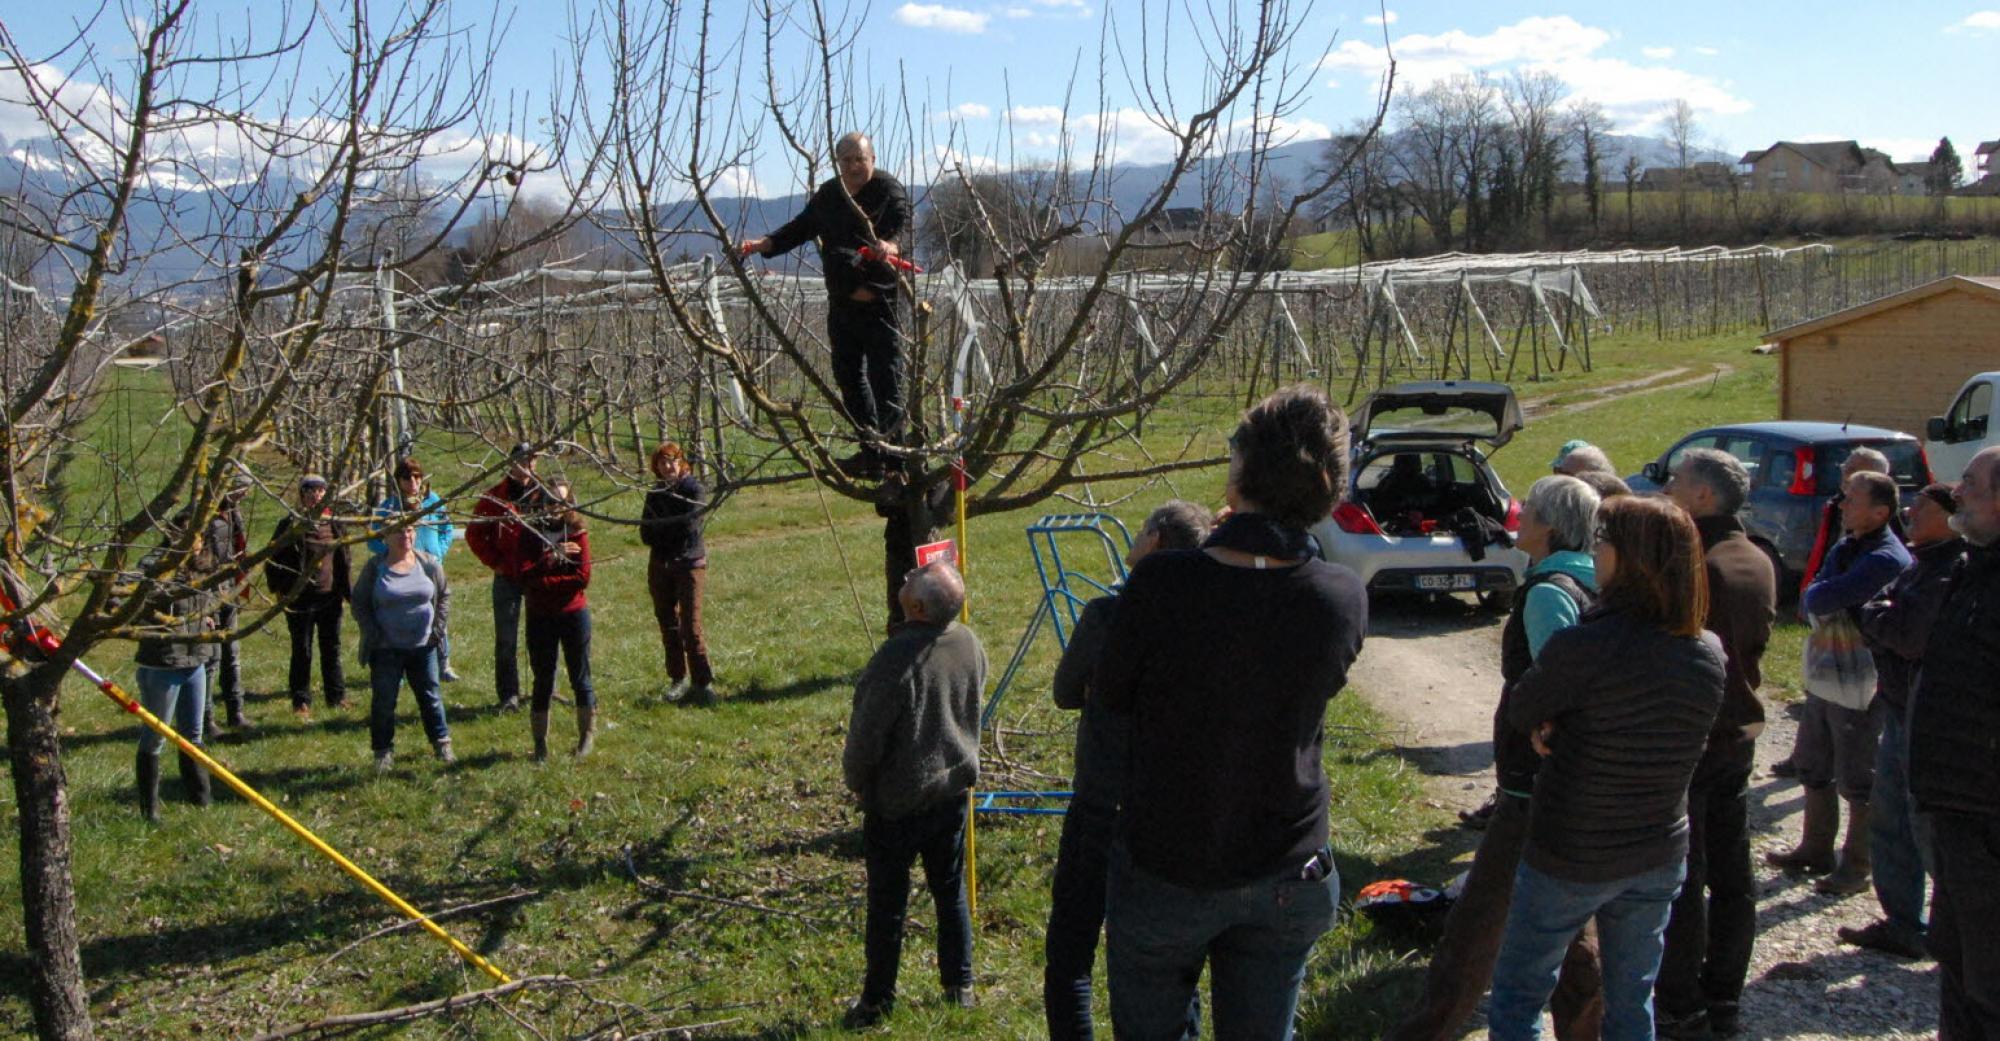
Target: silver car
[(1424, 512)]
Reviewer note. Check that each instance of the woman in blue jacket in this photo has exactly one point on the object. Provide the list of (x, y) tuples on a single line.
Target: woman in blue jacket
[(435, 533)]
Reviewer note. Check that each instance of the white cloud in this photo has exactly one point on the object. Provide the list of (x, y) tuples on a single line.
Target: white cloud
[(963, 110), (1657, 53), (1633, 94), (1385, 18), (1901, 149), (1036, 114), (1978, 21), (1016, 12), (1707, 52), (738, 182), (941, 18)]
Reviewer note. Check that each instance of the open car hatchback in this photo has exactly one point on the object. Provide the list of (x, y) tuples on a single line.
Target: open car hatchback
[(1424, 513)]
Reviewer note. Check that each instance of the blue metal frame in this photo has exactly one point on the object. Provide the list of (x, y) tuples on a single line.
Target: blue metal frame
[(1064, 592)]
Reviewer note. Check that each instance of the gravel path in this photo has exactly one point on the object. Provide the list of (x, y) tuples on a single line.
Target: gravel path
[(1434, 670)]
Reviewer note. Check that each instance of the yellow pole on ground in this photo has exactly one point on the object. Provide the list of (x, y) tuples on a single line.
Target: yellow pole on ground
[(48, 642)]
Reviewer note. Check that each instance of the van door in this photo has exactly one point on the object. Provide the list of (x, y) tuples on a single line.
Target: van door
[(1965, 430)]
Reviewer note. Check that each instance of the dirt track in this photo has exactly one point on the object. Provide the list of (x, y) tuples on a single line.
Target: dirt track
[(1434, 670)]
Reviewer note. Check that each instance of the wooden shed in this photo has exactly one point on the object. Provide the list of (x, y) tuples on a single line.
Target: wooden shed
[(1893, 362)]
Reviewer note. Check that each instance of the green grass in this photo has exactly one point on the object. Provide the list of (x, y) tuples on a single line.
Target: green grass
[(219, 922)]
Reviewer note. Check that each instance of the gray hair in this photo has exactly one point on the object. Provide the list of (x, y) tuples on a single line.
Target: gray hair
[(851, 141), (1719, 472), (1607, 486), (1586, 459), (1568, 506), (940, 590), (1179, 524), (1866, 460)]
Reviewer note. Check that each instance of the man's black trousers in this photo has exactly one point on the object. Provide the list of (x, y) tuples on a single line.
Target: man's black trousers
[(867, 342)]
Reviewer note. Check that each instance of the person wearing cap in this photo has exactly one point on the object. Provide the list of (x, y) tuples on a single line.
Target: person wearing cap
[(435, 533), (1577, 457), (1896, 625), (225, 673), (495, 535), (309, 572)]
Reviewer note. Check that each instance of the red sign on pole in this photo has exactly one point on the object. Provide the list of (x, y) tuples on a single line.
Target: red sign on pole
[(945, 550)]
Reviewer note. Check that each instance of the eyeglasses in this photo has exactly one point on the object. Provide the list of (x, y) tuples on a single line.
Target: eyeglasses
[(1601, 536)]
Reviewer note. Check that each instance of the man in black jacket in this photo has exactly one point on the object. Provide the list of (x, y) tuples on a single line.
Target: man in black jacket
[(863, 209), (1955, 765), (1713, 925), (1896, 627)]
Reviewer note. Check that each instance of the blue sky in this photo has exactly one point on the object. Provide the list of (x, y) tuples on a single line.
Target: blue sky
[(1894, 76)]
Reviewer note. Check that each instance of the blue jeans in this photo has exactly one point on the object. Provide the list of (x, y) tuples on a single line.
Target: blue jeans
[(177, 696), (570, 634), (889, 848), (1547, 912), (388, 667), (1892, 827), (506, 638), (1254, 938)]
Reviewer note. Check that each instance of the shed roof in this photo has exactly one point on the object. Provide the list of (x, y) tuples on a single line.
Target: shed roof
[(1834, 155), (1986, 147), (1985, 285)]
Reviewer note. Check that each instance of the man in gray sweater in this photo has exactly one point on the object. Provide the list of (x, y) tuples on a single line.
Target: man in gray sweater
[(912, 754)]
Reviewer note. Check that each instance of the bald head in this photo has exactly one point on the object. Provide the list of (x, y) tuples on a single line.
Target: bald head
[(934, 593), (1978, 495), (1863, 460)]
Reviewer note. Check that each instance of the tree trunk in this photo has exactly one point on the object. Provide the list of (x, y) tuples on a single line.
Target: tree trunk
[(48, 895)]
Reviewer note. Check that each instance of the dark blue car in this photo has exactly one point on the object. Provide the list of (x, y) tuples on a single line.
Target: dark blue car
[(1794, 469)]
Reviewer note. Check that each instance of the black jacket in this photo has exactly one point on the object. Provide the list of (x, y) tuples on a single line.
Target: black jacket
[(300, 554), (1514, 757), (670, 523), (831, 219), (1955, 705), (1103, 737), (1898, 624), (1632, 706)]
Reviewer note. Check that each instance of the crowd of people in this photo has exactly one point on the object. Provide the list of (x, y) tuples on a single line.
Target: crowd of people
[(527, 531), (1613, 883)]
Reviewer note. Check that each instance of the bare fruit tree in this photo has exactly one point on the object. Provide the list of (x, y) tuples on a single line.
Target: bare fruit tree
[(1067, 341), (217, 199)]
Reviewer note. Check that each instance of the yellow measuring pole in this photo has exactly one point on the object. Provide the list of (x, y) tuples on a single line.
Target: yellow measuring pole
[(130, 704)]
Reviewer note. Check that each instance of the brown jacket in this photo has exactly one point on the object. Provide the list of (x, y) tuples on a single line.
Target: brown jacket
[(1742, 604)]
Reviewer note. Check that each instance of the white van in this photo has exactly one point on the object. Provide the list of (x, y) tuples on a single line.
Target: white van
[(1951, 440)]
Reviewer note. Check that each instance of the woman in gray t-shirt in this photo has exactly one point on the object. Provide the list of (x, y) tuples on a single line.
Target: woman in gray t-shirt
[(400, 602)]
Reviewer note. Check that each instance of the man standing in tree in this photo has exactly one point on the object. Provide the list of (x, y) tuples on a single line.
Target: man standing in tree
[(858, 219)]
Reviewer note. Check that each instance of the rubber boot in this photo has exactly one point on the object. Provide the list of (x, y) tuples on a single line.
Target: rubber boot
[(148, 770), (1851, 876), (1814, 853), (586, 722), (538, 724), (194, 781)]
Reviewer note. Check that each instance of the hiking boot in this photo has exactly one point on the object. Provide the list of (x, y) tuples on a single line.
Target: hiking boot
[(511, 703), (961, 996), (303, 713), (705, 696), (444, 753), (448, 675), (148, 770), (1885, 936), (1692, 1027), (538, 726), (864, 1014), (238, 722), (383, 761), (586, 728), (677, 690), (1476, 820), (1851, 876), (194, 781), (1784, 768), (1814, 853)]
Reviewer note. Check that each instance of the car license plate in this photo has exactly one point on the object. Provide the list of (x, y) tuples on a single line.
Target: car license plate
[(1446, 582)]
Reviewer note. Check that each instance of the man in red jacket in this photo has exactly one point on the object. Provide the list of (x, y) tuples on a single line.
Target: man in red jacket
[(494, 535)]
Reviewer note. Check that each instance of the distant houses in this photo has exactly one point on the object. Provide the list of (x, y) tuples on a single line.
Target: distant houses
[(1824, 168)]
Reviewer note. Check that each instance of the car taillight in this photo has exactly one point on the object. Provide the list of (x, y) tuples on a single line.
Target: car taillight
[(1802, 470), (1354, 520), (1513, 521), (1923, 467)]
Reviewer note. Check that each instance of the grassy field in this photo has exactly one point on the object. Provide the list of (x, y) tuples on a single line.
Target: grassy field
[(219, 923)]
